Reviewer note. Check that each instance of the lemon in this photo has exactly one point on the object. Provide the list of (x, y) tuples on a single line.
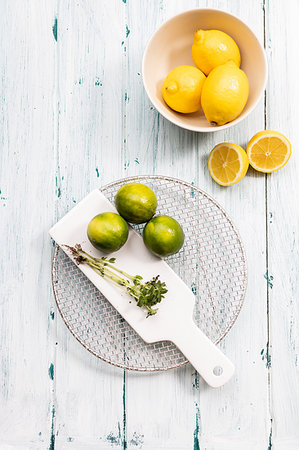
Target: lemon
[(225, 93), (163, 236), (108, 232), (182, 89), (228, 163), (268, 151), (212, 48)]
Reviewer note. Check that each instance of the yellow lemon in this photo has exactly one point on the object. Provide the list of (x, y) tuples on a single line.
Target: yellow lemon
[(228, 163), (212, 48), (225, 93), (268, 151), (182, 89)]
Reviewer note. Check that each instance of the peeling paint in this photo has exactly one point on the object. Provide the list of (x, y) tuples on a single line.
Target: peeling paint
[(124, 413), (270, 436), (51, 371), (196, 430), (112, 439), (195, 382), (194, 288), (52, 314), (137, 440), (128, 31), (98, 82), (54, 28), (269, 279), (52, 437), (58, 189), (97, 172), (192, 190), (266, 356), (136, 161)]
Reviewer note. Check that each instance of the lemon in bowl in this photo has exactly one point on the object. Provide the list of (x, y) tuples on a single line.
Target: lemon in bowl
[(182, 89), (212, 48), (225, 93), (171, 46)]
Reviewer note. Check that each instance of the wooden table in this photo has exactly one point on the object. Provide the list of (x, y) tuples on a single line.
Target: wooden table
[(74, 116)]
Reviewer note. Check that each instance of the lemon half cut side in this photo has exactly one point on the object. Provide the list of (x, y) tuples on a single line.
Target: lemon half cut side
[(268, 151), (228, 163)]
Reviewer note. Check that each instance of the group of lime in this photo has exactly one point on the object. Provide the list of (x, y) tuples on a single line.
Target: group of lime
[(136, 203), (216, 84)]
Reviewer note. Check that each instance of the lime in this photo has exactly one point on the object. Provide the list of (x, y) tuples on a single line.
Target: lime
[(163, 236), (136, 202), (108, 232)]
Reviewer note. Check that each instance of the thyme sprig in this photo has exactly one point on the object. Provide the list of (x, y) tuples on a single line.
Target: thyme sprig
[(147, 294)]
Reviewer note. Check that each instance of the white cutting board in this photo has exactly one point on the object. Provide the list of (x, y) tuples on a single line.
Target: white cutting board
[(173, 321)]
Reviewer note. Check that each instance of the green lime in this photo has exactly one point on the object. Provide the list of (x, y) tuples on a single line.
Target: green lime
[(163, 236), (136, 202), (108, 232)]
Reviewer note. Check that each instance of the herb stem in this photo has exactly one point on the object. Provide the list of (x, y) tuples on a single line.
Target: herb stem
[(147, 294)]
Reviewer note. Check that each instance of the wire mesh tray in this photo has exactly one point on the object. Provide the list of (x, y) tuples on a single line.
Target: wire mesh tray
[(212, 263)]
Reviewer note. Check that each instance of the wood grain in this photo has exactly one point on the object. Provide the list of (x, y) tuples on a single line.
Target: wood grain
[(282, 225), (184, 154), (75, 116), (27, 205)]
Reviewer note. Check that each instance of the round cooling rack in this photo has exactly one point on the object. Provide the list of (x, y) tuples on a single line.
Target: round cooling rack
[(212, 263)]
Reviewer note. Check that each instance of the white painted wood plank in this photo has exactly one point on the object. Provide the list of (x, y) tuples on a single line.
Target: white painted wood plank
[(88, 392), (26, 202), (187, 416), (102, 127), (283, 222), (160, 407), (239, 413)]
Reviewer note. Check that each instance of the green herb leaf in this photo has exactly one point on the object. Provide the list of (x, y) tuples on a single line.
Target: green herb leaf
[(147, 294)]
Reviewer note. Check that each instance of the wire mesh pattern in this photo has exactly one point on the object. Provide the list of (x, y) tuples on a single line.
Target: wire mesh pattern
[(212, 263)]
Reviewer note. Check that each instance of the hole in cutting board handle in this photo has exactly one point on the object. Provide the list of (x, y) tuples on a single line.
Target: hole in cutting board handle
[(217, 371)]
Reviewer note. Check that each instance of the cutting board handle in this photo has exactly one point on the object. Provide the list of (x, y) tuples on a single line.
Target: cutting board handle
[(215, 368)]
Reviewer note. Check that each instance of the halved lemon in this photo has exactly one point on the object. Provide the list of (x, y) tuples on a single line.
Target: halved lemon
[(268, 151), (228, 163)]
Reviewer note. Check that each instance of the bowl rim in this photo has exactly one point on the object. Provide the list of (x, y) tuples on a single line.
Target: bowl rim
[(192, 127)]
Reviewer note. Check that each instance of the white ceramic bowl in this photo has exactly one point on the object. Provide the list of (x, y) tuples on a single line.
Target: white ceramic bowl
[(170, 47)]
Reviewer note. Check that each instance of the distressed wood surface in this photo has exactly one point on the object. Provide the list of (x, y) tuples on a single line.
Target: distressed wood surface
[(74, 116)]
